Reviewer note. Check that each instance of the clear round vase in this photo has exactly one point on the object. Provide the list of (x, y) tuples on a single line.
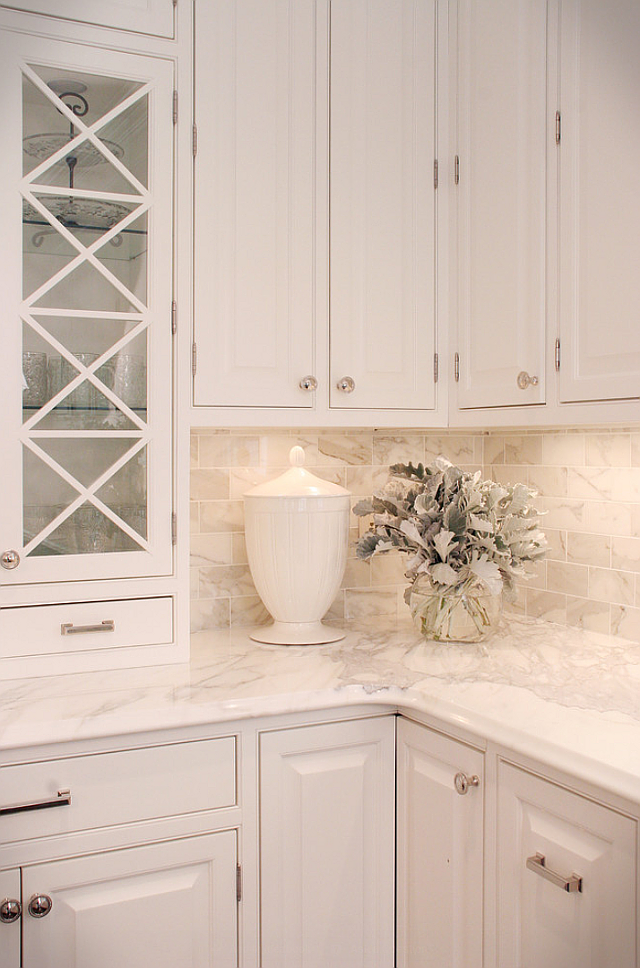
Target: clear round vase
[(460, 613)]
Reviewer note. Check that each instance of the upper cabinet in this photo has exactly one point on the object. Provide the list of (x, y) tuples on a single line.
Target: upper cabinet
[(500, 183), (382, 204), (143, 16), (314, 221), (599, 157)]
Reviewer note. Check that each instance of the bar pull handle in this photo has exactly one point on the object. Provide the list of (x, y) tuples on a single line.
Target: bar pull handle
[(63, 799), (571, 884), (68, 628)]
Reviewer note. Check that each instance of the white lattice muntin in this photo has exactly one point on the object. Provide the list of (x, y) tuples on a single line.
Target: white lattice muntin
[(90, 286)]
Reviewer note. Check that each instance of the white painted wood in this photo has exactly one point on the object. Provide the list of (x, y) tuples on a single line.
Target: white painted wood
[(502, 130), (326, 845), (599, 200), (439, 851), (255, 220), (382, 253), (142, 16), (10, 933), (121, 787), (19, 53), (540, 925), (165, 905)]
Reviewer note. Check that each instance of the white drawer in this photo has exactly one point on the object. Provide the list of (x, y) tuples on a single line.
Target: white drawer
[(115, 788), (47, 630)]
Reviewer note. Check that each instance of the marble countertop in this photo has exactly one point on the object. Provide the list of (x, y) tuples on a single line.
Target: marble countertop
[(566, 697)]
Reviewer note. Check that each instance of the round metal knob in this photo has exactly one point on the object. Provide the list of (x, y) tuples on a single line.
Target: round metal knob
[(462, 782), (308, 383), (40, 905), (10, 910), (346, 384), (524, 380), (10, 560)]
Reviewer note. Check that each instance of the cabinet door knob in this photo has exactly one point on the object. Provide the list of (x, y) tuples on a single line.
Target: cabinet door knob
[(524, 380), (347, 384), (308, 383), (10, 910), (462, 782), (10, 560), (40, 905)]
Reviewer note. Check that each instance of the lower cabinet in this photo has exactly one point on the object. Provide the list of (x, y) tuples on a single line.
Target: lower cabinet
[(326, 845), (440, 795), (566, 877), (166, 905)]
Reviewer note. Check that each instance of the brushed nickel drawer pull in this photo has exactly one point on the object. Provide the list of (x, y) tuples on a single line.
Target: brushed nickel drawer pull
[(68, 628), (571, 884), (63, 799)]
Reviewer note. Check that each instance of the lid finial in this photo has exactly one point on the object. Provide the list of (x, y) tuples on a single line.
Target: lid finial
[(296, 457)]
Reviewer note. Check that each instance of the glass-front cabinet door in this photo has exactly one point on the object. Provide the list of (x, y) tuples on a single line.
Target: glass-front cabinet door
[(86, 247)]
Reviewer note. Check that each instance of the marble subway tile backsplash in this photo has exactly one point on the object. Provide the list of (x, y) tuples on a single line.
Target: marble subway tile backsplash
[(588, 481)]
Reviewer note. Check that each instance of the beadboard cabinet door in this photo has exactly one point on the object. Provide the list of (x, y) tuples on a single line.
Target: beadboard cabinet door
[(382, 204), (255, 210), (548, 839), (326, 845), (167, 905), (440, 851), (499, 272), (599, 200)]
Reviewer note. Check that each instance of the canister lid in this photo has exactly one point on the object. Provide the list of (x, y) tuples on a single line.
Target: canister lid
[(297, 482)]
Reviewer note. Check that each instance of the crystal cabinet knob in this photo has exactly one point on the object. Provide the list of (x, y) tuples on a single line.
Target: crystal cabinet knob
[(346, 384), (10, 910), (524, 380), (40, 905), (10, 560), (308, 383), (462, 782)]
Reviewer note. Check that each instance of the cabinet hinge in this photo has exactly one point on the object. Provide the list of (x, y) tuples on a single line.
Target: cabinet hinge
[(456, 170), (174, 318), (435, 173), (194, 139), (456, 367), (175, 107), (194, 358), (238, 883), (175, 3), (435, 367), (558, 128), (174, 528), (556, 357)]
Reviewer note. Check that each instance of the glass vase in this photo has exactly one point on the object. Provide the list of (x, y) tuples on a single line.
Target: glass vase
[(459, 613)]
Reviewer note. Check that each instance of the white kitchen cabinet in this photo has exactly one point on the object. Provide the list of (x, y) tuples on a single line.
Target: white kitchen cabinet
[(499, 269), (305, 109), (599, 157), (382, 204), (326, 845), (439, 850), (566, 877), (87, 280), (142, 16)]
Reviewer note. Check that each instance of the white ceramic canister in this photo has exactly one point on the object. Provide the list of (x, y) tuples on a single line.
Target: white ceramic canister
[(297, 532)]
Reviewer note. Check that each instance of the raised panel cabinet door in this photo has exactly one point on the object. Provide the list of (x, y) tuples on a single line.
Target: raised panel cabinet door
[(10, 923), (326, 845), (86, 269), (599, 156), (256, 109), (141, 16), (163, 905), (549, 839), (382, 204), (439, 849), (499, 265)]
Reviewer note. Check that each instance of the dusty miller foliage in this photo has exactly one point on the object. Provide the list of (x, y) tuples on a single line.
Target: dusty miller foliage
[(460, 531)]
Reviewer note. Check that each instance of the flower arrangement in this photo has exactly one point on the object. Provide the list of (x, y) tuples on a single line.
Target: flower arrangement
[(467, 539)]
